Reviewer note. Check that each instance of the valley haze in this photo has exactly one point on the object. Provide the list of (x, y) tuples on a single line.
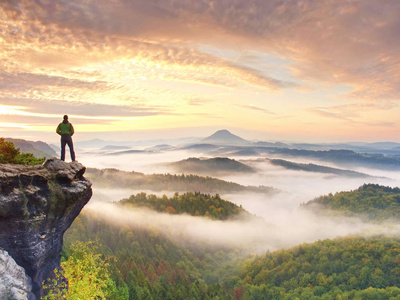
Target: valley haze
[(282, 226)]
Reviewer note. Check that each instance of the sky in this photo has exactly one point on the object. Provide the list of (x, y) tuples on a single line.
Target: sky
[(288, 70)]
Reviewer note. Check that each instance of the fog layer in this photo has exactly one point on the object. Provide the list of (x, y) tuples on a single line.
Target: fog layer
[(281, 223), (252, 235)]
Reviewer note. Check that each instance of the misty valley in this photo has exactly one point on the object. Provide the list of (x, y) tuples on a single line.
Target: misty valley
[(199, 149), (226, 218)]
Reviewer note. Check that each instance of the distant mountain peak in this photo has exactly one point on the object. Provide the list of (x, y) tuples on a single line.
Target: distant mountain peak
[(223, 131), (224, 137)]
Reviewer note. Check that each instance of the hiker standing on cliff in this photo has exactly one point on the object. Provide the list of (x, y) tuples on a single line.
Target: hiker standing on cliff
[(66, 130)]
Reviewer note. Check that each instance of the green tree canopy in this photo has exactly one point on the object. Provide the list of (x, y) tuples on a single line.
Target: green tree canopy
[(195, 204), (371, 201), (11, 155)]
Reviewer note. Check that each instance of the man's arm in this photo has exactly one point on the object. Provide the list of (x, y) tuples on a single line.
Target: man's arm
[(72, 130), (58, 130)]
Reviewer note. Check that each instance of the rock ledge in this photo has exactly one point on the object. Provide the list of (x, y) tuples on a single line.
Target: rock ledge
[(37, 205)]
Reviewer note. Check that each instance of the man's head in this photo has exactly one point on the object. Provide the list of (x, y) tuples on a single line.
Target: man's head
[(65, 118)]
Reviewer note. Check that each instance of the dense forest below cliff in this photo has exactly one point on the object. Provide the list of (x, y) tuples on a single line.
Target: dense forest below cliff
[(153, 265)]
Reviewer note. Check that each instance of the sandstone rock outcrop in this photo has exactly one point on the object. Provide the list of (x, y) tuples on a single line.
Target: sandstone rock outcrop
[(37, 205), (14, 284)]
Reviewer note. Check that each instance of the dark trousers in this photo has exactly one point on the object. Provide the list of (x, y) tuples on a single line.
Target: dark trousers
[(66, 139)]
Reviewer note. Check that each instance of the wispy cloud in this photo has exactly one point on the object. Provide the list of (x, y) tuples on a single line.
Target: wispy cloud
[(252, 107), (352, 112), (330, 113), (197, 101), (25, 81), (80, 108)]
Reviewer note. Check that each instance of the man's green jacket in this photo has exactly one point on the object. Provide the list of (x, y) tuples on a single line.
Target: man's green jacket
[(65, 128)]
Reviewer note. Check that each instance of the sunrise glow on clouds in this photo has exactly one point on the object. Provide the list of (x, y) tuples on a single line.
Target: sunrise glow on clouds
[(290, 70)]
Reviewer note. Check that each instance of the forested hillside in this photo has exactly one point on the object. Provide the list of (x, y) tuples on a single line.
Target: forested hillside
[(344, 268), (211, 166), (114, 178), (195, 204), (371, 201), (316, 168)]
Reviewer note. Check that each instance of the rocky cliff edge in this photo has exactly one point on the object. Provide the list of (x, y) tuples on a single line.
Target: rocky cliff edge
[(37, 205)]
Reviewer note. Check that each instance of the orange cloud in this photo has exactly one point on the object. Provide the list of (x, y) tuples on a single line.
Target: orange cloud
[(342, 42)]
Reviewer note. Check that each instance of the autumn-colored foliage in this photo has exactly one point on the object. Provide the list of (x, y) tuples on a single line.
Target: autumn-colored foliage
[(85, 275), (170, 210)]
